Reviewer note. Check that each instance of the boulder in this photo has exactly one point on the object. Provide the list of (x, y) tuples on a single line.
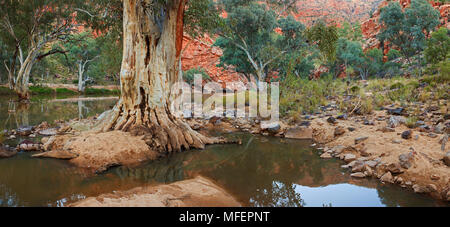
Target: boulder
[(395, 121), (271, 127), (299, 133), (396, 111), (358, 167), (407, 135), (24, 130), (395, 168), (48, 132), (406, 160), (349, 158), (420, 189), (447, 159), (387, 177), (331, 120), (339, 131)]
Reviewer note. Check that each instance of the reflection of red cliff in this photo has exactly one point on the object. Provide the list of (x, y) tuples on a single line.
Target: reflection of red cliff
[(371, 27)]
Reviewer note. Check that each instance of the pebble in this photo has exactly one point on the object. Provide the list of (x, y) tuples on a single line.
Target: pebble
[(361, 139), (407, 135)]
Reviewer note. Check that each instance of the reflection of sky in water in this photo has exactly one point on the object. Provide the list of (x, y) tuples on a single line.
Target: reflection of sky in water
[(349, 195)]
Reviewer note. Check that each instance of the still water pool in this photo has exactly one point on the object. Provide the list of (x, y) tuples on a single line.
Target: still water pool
[(261, 172)]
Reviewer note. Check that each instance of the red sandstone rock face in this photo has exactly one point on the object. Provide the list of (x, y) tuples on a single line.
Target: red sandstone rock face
[(200, 53), (335, 11)]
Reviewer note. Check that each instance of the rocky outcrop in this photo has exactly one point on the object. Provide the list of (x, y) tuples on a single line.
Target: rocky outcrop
[(198, 192), (199, 53), (335, 11)]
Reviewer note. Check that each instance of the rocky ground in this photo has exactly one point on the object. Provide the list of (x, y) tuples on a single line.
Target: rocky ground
[(385, 145), (197, 192)]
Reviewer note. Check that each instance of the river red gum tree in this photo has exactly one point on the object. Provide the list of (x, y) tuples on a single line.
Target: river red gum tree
[(152, 41)]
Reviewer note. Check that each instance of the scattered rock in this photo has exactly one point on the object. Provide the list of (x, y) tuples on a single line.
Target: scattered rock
[(395, 168), (342, 117), (420, 189), (338, 149), (395, 121), (447, 159), (432, 187), (407, 135), (439, 129), (351, 129), (48, 132), (27, 145), (435, 177), (358, 175), (396, 111), (271, 127), (432, 135), (349, 157), (368, 172), (399, 180), (299, 133), (361, 139), (326, 156), (331, 120), (358, 166), (406, 160), (387, 177), (367, 122), (387, 129), (25, 131), (338, 131), (371, 164)]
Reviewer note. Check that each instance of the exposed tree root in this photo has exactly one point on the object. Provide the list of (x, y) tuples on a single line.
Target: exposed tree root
[(162, 131)]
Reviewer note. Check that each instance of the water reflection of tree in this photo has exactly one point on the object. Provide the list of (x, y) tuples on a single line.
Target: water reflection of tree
[(279, 195), (18, 114)]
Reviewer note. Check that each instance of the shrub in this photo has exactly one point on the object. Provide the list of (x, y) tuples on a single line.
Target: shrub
[(40, 90), (189, 75), (65, 91)]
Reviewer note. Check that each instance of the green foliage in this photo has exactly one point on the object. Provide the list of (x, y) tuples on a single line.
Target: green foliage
[(102, 91), (438, 46), (40, 90), (351, 32), (65, 91), (249, 39), (189, 75), (6, 91), (407, 29), (326, 38)]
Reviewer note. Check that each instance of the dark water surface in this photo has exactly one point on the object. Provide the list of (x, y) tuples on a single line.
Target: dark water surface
[(261, 172)]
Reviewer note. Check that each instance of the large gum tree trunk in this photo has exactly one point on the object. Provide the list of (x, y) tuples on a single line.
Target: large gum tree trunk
[(150, 67)]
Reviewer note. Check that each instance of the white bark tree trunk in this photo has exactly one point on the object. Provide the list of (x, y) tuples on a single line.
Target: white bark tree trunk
[(150, 67)]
